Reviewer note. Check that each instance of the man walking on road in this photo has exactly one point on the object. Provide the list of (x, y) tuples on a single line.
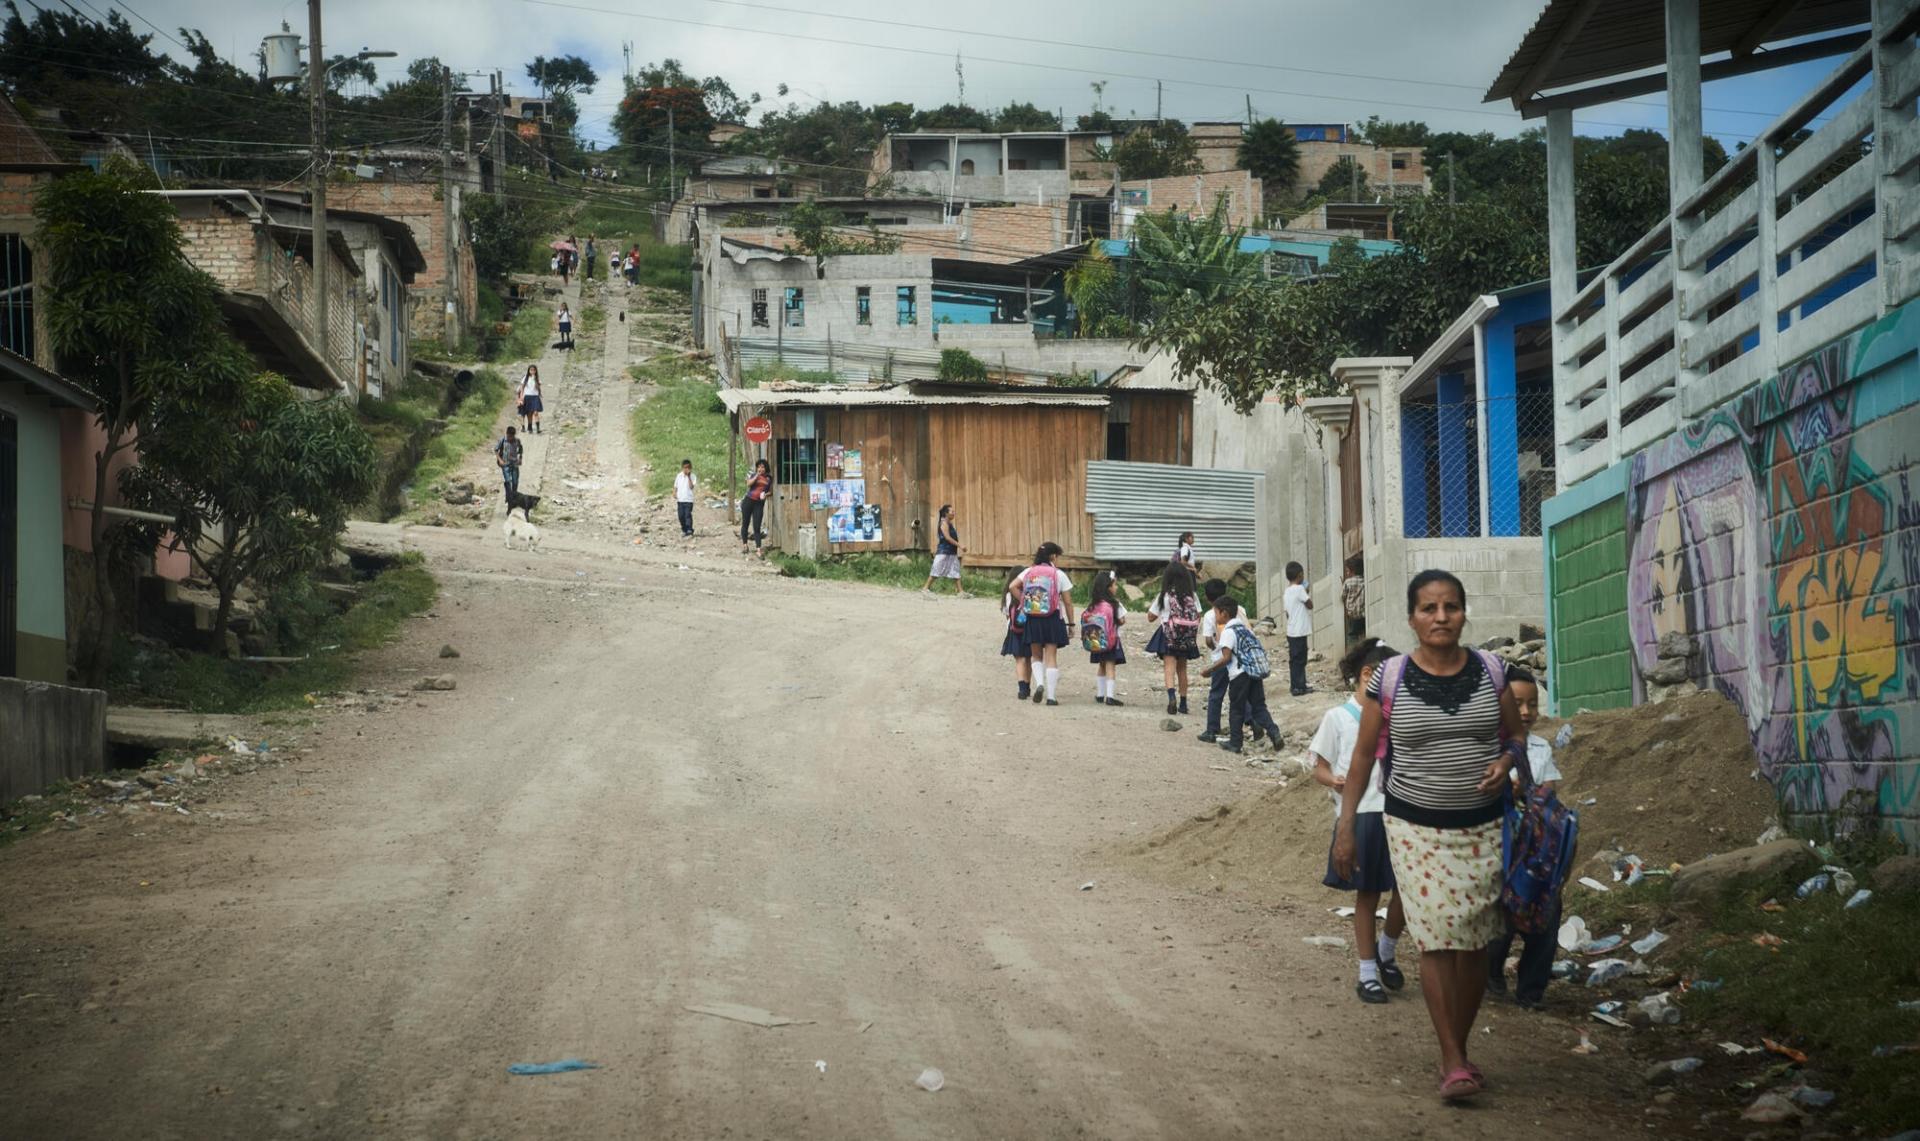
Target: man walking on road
[(592, 256), (507, 454), (683, 485)]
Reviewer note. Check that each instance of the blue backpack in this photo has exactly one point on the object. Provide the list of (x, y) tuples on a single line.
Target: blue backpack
[(1249, 654)]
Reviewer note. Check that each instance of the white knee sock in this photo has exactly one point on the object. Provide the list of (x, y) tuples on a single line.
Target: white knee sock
[(1386, 947), (1053, 682)]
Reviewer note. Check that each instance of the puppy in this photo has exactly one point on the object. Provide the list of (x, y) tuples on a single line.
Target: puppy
[(520, 528)]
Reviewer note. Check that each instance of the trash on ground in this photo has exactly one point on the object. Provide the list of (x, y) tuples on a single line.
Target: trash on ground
[(1771, 1109), (1907, 1004), (931, 1080), (1600, 946), (820, 1064), (1630, 869), (238, 747), (1859, 898), (1663, 1073), (1787, 1052), (1612, 1006), (1768, 939), (1565, 969), (1773, 832), (1612, 1020), (1573, 933), (1813, 886), (1660, 1008), (1088, 886), (1647, 944), (1324, 941), (1736, 1050), (1593, 884), (1607, 970), (563, 1066), (1564, 737), (1896, 1050), (1704, 986), (1586, 1045), (1342, 912), (752, 1015), (1811, 1097), (1590, 802), (1843, 882), (1772, 905)]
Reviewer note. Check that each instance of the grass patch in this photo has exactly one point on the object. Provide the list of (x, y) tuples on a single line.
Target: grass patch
[(682, 420), (528, 334), (1830, 989), (593, 319), (469, 427), (761, 375), (903, 570), (208, 684)]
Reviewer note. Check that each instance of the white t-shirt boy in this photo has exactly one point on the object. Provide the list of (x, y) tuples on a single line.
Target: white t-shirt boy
[(1333, 743), (1299, 617), (1235, 627), (683, 485)]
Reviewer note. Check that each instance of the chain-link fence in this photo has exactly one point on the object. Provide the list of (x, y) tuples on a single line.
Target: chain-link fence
[(1442, 468)]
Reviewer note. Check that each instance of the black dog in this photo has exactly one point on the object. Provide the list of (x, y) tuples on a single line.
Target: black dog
[(525, 502)]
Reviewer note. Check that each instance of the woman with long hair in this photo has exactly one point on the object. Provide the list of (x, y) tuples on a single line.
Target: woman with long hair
[(946, 552), (1100, 626), (530, 405), (1177, 640), (753, 508), (1453, 733), (1044, 593)]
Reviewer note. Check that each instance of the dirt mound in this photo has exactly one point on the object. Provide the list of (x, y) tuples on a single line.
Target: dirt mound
[(1670, 782), (1267, 847)]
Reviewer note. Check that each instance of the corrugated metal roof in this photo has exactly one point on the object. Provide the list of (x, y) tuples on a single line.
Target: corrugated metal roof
[(733, 398), (1139, 510)]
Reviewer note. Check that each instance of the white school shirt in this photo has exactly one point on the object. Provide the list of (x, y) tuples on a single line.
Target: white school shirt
[(529, 386), (1226, 637), (1207, 625), (1185, 553), (1540, 760), (1299, 618), (683, 485), (1333, 742)]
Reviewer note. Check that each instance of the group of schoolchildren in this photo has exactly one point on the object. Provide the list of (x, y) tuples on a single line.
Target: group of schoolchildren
[(1038, 606), (1330, 753)]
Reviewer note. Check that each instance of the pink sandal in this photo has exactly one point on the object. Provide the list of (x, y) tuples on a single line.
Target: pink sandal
[(1459, 1085)]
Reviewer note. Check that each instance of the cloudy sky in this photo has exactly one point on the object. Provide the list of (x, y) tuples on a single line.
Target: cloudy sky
[(1300, 60)]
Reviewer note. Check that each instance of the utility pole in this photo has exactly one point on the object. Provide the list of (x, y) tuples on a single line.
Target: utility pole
[(451, 328), (1249, 111), (670, 153), (626, 50), (961, 72), (1450, 198), (1353, 170), (317, 110), (1158, 92)]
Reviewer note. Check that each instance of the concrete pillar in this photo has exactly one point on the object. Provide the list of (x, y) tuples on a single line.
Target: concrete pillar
[(1686, 161), (1457, 459), (1563, 257)]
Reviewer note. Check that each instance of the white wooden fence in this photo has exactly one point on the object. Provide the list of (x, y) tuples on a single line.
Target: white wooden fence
[(1802, 237)]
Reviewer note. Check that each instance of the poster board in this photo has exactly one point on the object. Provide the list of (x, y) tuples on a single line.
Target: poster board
[(855, 524), (834, 494), (852, 466), (836, 453)]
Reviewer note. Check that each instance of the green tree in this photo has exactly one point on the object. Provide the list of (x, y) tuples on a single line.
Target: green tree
[(1344, 181), (1102, 296), (267, 509), (1156, 152), (1387, 133), (825, 233), (833, 141), (893, 118), (1176, 256), (1269, 152), (951, 115), (961, 366), (563, 74), (1025, 117), (503, 228), (136, 326)]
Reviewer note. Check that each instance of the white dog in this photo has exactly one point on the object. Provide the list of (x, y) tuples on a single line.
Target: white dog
[(521, 528)]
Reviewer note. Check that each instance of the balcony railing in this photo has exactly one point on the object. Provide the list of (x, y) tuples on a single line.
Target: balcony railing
[(1801, 237)]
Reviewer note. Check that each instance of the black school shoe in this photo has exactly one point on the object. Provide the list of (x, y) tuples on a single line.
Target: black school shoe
[(1497, 984), (1229, 747), (1183, 705), (1392, 975), (1115, 701), (1370, 992), (1208, 738)]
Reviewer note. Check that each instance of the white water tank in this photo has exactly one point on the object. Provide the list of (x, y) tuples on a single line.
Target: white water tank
[(282, 51)]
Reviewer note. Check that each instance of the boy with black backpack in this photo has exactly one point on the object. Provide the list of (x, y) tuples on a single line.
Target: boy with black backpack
[(1537, 949), (1244, 659)]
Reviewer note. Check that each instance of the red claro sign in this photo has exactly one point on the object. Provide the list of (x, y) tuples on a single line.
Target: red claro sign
[(759, 430)]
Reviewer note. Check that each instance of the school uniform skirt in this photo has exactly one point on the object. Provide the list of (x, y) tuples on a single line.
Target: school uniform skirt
[(1452, 897), (1045, 630), (531, 404), (1372, 869), (1014, 645), (1116, 656), (1158, 646)]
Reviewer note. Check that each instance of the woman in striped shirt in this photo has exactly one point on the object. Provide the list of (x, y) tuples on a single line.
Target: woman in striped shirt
[(1452, 733)]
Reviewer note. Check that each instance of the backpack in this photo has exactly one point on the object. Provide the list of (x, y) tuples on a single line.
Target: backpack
[(1096, 629), (1180, 622), (1538, 839), (1248, 654), (1037, 592)]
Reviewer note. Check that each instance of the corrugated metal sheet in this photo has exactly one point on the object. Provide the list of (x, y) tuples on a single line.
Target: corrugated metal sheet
[(733, 398), (1139, 511), (849, 362)]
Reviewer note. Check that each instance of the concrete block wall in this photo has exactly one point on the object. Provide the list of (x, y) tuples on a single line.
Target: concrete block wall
[(54, 733), (1196, 194), (419, 205), (222, 244), (1778, 538), (1376, 163)]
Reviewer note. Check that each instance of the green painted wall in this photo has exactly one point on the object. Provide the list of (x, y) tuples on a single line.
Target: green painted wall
[(42, 602), (1592, 656)]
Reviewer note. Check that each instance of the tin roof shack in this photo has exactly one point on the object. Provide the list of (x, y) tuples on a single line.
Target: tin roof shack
[(1021, 166), (869, 467), (739, 177)]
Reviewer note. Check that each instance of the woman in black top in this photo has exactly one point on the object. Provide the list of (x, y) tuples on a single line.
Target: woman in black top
[(1453, 735)]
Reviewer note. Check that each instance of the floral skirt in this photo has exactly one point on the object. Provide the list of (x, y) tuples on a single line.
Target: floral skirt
[(1449, 880)]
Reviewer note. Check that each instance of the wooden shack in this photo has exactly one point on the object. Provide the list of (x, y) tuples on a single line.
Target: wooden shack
[(870, 467)]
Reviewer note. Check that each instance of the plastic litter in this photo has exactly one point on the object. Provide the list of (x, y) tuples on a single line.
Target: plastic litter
[(1565, 969), (1600, 946), (1773, 832), (1787, 1052), (1593, 884), (1736, 1050), (1612, 1020), (1910, 1004), (1704, 985), (1607, 970), (1564, 737), (1613, 1006), (1813, 886), (1843, 881), (1859, 898), (1586, 1045), (820, 1064), (1897, 1050), (1324, 941), (1629, 868), (1660, 1008), (1768, 939), (1663, 1073), (1088, 886), (563, 1066), (931, 1080), (1811, 1097), (1647, 944), (1771, 1109), (1573, 933)]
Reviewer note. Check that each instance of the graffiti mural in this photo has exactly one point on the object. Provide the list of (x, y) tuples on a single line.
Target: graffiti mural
[(1782, 535)]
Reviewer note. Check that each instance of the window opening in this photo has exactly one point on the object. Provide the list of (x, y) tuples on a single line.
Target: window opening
[(907, 306), (795, 308), (863, 305), (16, 295), (759, 309)]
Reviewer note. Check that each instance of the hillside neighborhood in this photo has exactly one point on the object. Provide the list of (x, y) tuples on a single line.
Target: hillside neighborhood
[(511, 578)]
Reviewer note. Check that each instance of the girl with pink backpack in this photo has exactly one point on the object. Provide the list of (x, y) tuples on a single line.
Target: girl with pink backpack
[(1177, 640), (1100, 625)]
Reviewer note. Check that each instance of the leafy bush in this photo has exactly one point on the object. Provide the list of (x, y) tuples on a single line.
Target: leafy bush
[(962, 366)]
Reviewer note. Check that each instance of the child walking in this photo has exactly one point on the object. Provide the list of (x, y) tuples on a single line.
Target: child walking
[(1536, 951), (1177, 639), (1244, 660), (1014, 644), (1046, 614), (530, 406), (1298, 604), (1100, 626), (1214, 590), (565, 320), (1331, 751)]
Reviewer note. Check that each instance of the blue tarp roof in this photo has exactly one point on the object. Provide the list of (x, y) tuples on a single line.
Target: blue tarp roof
[(1319, 251)]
